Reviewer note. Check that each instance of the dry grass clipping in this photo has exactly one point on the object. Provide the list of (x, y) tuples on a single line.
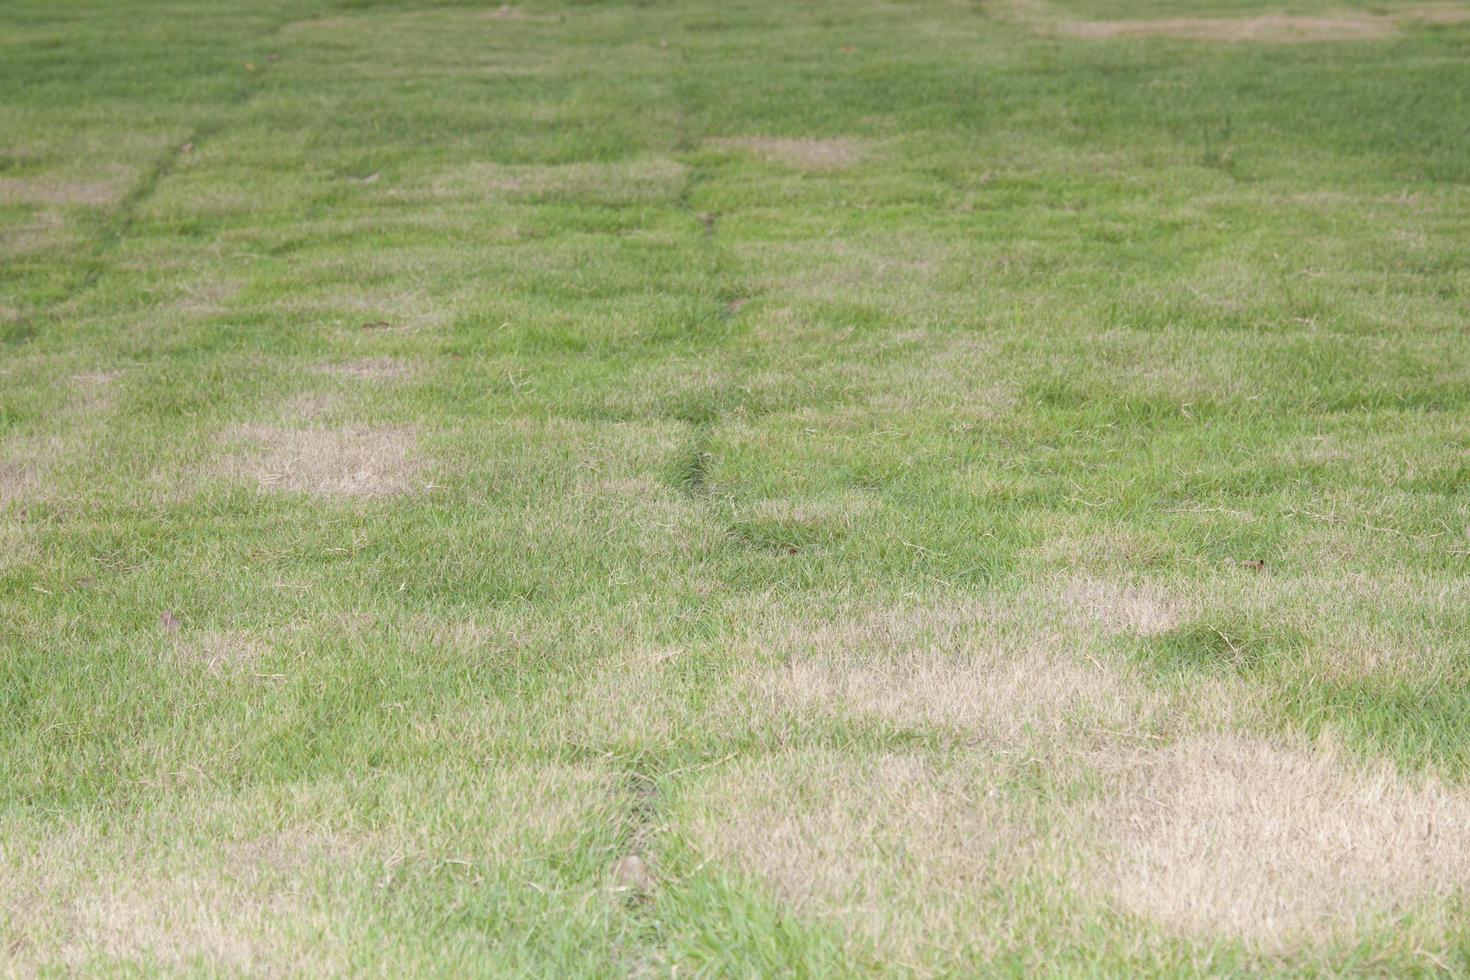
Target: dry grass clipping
[(346, 462), (802, 154), (1234, 837)]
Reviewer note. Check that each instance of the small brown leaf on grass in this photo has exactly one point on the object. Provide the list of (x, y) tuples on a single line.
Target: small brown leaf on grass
[(169, 621)]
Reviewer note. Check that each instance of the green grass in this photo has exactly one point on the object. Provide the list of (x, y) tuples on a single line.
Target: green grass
[(816, 448)]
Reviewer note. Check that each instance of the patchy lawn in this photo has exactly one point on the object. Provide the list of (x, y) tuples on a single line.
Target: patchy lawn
[(858, 487)]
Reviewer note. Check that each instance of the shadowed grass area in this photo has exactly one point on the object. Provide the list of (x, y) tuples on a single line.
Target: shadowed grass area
[(937, 488)]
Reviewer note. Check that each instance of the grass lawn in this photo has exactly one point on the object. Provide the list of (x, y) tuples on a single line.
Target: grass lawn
[(734, 487)]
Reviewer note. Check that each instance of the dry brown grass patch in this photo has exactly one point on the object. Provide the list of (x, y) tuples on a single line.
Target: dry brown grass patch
[(835, 153), (47, 231), (1118, 606), (376, 312), (53, 191), (1235, 837), (949, 373), (1456, 14), (221, 651), (310, 407), (17, 480), (891, 273), (345, 462), (974, 668), (634, 702), (509, 11), (1002, 694), (643, 179), (239, 893), (209, 296), (94, 390), (909, 855), (69, 906), (367, 369), (1267, 29), (810, 515)]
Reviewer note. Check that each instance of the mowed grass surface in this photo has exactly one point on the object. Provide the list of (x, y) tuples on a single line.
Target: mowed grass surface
[(734, 488)]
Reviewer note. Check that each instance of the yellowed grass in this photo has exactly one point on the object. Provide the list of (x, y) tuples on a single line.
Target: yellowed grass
[(310, 407), (369, 311), (949, 372), (636, 701), (367, 369), (93, 390), (833, 153), (24, 465), (1009, 673), (1003, 694), (82, 898), (57, 191), (221, 651), (1271, 28), (206, 296), (1236, 837), (1267, 29), (17, 480), (1119, 606), (810, 515), (48, 230), (649, 177), (905, 854), (344, 462), (1440, 14), (94, 894)]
